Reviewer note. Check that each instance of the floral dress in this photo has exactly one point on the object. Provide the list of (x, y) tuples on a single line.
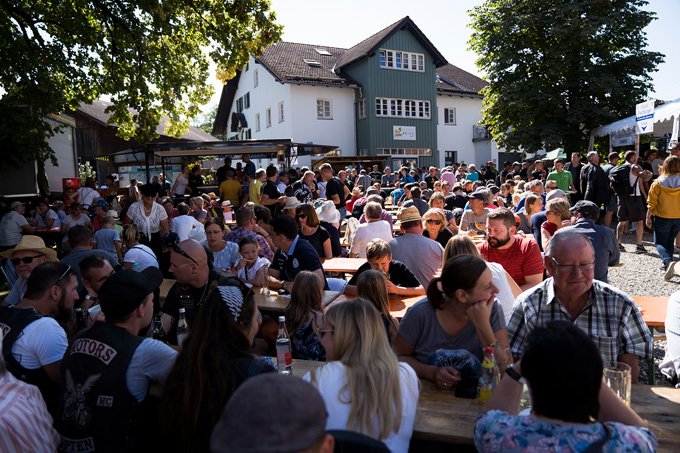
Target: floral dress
[(307, 345)]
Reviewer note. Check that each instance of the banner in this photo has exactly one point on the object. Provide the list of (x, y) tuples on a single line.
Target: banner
[(404, 132), (644, 117), (626, 138)]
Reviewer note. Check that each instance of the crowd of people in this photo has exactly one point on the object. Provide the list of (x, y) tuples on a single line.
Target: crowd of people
[(515, 260)]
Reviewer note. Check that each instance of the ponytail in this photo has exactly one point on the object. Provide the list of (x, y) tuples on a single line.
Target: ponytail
[(434, 295), (460, 272)]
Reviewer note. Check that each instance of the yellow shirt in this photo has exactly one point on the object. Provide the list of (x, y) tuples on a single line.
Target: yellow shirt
[(230, 190), (254, 192)]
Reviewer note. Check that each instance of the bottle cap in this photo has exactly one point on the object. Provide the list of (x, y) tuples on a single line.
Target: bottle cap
[(488, 350), (282, 319), (181, 310)]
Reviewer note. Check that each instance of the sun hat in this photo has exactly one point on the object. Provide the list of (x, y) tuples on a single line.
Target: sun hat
[(250, 406), (291, 203), (226, 204), (112, 213), (409, 214), (356, 192), (554, 194), (328, 213), (33, 243), (125, 290)]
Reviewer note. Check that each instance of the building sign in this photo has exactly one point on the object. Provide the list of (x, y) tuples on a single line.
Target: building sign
[(404, 132), (644, 117), (625, 138)]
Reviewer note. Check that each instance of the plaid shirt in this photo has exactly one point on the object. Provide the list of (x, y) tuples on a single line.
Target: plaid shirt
[(239, 233), (610, 318)]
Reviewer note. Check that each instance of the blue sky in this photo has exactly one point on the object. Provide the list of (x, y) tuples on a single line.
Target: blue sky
[(445, 23)]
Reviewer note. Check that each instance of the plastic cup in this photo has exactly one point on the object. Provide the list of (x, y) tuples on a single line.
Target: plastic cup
[(617, 376)]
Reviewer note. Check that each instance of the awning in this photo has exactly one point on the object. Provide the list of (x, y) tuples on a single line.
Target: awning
[(666, 119)]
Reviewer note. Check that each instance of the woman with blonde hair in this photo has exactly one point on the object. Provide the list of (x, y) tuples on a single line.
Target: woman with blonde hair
[(556, 211), (434, 223), (365, 388), (532, 204), (305, 305), (438, 200), (197, 211), (136, 253), (372, 287), (664, 212), (507, 288)]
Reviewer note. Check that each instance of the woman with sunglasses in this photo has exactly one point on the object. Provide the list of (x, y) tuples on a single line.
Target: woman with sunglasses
[(310, 230), (557, 211), (434, 222), (365, 388), (303, 309), (216, 358)]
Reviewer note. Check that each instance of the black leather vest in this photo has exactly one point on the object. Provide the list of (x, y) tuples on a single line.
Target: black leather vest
[(12, 323), (96, 410)]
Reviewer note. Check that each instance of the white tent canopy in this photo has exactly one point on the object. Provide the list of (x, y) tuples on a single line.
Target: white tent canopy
[(666, 120)]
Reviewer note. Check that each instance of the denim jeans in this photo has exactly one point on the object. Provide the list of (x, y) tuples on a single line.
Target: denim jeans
[(343, 214), (665, 231), (467, 364)]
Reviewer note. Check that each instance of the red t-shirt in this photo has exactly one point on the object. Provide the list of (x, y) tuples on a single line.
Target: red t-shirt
[(521, 259)]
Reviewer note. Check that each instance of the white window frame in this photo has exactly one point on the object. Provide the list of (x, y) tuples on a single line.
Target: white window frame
[(403, 61), (256, 80), (362, 108), (404, 151), (281, 113), (257, 122), (450, 116), (326, 111), (268, 116), (402, 108)]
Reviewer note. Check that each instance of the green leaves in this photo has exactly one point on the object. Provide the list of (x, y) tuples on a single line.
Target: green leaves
[(556, 69), (150, 57)]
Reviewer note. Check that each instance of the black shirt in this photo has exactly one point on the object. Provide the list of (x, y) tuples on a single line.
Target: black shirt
[(376, 175), (270, 189), (336, 187), (430, 180), (442, 238), (186, 296), (455, 201), (400, 275), (303, 258)]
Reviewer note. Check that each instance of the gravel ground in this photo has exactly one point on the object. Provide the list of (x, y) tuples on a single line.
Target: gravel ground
[(640, 276)]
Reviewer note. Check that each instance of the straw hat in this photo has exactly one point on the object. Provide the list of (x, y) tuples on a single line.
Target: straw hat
[(33, 243), (291, 203), (328, 213), (409, 214), (112, 213), (356, 192)]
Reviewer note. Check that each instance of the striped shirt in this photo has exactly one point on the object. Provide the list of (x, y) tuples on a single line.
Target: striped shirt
[(610, 318), (25, 423)]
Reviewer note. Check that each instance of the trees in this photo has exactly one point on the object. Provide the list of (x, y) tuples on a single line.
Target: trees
[(556, 69), (151, 58)]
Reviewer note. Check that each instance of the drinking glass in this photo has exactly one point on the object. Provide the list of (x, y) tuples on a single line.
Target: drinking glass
[(617, 376), (501, 352), (264, 288)]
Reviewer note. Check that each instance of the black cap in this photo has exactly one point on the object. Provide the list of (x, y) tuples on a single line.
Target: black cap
[(587, 209), (125, 290)]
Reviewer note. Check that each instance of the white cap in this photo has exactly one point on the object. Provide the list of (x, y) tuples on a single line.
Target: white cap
[(181, 310), (282, 319)]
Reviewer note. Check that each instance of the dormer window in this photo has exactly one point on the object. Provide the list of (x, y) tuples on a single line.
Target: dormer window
[(405, 61), (312, 63)]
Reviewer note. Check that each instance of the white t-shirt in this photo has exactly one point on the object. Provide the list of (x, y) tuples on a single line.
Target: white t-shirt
[(330, 379), (42, 342), (182, 182), (70, 222), (151, 362), (504, 296), (142, 255), (50, 214), (366, 232), (183, 224), (11, 227), (249, 274), (86, 196)]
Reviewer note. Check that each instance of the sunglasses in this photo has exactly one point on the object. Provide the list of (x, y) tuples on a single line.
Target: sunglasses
[(302, 216), (25, 260), (433, 222), (178, 249), (68, 269)]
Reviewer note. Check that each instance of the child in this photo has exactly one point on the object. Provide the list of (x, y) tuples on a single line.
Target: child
[(248, 266), (107, 238)]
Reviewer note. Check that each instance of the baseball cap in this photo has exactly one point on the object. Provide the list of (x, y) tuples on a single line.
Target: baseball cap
[(476, 196), (587, 208), (554, 194), (409, 214), (489, 163), (125, 290), (250, 407), (16, 203)]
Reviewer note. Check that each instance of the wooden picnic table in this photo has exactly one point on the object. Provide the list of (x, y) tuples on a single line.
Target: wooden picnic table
[(653, 309), (398, 304), (349, 265), (278, 303), (442, 417)]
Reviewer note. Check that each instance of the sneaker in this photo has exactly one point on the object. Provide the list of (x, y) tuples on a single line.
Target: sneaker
[(640, 249), (622, 248), (670, 271)]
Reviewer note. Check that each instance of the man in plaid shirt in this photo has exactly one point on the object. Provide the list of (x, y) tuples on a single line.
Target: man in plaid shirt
[(606, 314), (246, 226)]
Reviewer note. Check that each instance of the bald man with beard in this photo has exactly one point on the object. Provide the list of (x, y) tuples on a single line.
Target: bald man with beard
[(195, 279)]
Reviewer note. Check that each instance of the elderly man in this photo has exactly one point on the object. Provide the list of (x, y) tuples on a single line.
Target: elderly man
[(13, 224), (519, 256), (606, 314), (375, 228), (28, 254), (421, 255), (584, 215), (195, 279), (246, 225), (384, 215), (34, 342), (304, 189)]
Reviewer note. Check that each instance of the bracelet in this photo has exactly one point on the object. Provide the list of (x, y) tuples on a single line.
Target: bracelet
[(510, 371), (267, 236)]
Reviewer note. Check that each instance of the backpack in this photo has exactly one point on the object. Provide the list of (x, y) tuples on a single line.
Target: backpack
[(620, 180)]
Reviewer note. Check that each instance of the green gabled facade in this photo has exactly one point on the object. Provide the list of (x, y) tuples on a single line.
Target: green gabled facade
[(399, 44)]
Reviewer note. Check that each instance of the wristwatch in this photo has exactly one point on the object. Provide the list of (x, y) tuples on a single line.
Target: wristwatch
[(510, 371)]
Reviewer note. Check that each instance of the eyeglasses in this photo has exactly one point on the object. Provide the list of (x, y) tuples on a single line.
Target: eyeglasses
[(572, 267), (68, 269), (318, 328), (25, 260), (433, 222), (178, 249)]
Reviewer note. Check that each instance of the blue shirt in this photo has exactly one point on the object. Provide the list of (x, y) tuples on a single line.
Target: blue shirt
[(104, 239)]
